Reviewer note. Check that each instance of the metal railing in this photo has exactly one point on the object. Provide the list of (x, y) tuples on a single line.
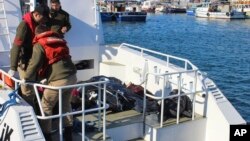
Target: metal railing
[(102, 106), (191, 91), (168, 57)]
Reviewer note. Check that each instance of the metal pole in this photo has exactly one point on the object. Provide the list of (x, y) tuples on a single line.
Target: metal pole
[(99, 105), (195, 85), (104, 112), (83, 113), (179, 99), (162, 101), (60, 114)]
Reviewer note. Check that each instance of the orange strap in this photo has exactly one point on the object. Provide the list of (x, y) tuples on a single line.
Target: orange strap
[(8, 81)]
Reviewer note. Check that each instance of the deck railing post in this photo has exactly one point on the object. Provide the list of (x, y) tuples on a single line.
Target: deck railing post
[(104, 112), (144, 103), (162, 100), (99, 105), (60, 114), (83, 113), (194, 93), (179, 98)]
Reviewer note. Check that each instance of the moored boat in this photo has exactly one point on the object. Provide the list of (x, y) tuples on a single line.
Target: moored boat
[(122, 10), (242, 6), (220, 10)]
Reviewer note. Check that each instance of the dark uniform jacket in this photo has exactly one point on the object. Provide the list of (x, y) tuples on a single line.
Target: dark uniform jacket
[(56, 71), (59, 19), (21, 50)]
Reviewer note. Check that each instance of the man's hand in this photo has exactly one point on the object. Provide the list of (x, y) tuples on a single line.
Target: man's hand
[(44, 81), (23, 82), (64, 29), (11, 73)]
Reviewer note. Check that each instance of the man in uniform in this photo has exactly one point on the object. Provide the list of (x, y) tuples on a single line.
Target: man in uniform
[(51, 59), (21, 50), (59, 19)]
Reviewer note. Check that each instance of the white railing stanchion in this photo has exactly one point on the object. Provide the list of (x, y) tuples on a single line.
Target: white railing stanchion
[(99, 105), (104, 112), (144, 103), (179, 99), (83, 113), (60, 114), (194, 95), (162, 101)]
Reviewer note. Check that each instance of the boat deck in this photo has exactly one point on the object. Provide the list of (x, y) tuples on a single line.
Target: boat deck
[(114, 120)]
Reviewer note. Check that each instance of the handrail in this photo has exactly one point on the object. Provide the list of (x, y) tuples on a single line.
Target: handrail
[(101, 106), (192, 92), (83, 111), (142, 50)]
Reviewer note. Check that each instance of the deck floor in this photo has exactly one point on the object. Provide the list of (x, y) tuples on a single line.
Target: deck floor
[(120, 119)]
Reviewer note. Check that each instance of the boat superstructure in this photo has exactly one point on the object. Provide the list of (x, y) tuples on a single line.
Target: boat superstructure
[(242, 6), (157, 72), (122, 10), (219, 10)]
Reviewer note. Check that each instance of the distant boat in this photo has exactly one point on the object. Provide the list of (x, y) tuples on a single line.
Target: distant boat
[(174, 9), (222, 10), (191, 8), (191, 11), (242, 6), (120, 10), (148, 6)]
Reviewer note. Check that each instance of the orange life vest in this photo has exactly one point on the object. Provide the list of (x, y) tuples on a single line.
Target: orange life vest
[(55, 48)]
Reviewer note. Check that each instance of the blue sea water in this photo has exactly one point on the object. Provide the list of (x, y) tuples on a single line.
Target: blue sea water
[(219, 47)]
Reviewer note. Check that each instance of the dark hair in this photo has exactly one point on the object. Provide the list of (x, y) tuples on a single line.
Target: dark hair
[(43, 10), (54, 1), (41, 28)]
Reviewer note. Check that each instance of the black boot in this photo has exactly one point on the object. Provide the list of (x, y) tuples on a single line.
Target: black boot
[(48, 136), (68, 133)]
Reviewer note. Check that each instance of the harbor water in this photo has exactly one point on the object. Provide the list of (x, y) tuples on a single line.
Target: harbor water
[(219, 47)]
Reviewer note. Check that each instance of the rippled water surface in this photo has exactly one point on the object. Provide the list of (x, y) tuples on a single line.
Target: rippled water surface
[(219, 47)]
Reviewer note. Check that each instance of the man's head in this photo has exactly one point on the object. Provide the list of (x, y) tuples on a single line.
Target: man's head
[(55, 5), (41, 28), (41, 13)]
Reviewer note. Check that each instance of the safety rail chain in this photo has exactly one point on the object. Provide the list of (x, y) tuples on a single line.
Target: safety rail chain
[(102, 106), (143, 50), (191, 91)]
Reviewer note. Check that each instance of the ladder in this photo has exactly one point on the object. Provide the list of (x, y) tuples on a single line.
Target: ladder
[(4, 29)]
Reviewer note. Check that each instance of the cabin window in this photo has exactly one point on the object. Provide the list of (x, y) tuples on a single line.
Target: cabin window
[(84, 64)]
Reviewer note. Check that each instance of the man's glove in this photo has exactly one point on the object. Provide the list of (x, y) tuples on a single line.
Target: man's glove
[(23, 82), (11, 72), (44, 81)]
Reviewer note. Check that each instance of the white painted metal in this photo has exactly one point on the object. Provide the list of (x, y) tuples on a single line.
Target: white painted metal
[(4, 28), (19, 121), (13, 16), (85, 36), (188, 131), (126, 132), (208, 128)]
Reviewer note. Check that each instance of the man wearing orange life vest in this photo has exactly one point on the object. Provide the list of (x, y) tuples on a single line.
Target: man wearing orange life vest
[(21, 50), (51, 59)]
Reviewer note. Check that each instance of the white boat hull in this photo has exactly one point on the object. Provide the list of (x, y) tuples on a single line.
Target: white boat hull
[(220, 15)]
